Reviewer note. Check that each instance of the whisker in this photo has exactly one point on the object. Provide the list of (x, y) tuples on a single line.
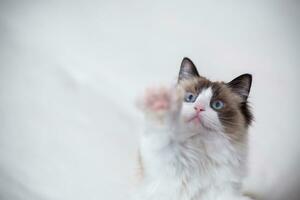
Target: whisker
[(212, 123), (226, 120)]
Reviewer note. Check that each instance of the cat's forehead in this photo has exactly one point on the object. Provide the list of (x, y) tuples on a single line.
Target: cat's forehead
[(196, 85)]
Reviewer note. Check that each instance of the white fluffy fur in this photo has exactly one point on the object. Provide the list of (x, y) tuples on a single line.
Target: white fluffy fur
[(188, 162)]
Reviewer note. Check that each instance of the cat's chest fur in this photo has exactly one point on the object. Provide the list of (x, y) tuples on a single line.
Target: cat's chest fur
[(197, 167)]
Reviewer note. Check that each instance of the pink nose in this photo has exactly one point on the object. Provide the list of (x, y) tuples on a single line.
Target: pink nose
[(199, 108)]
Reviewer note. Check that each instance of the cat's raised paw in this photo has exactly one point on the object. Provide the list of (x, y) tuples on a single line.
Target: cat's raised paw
[(157, 99), (160, 100)]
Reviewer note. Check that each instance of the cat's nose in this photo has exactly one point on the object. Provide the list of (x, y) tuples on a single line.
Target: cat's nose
[(199, 108)]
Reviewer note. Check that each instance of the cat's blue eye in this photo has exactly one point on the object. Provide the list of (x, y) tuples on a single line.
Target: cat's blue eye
[(217, 104), (190, 97)]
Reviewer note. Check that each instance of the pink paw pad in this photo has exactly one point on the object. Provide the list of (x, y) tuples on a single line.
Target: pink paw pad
[(157, 99)]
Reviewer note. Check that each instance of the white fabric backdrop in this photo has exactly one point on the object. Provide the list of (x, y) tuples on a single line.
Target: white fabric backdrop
[(70, 70)]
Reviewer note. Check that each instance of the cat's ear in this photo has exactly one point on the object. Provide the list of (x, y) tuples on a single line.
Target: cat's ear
[(187, 70), (241, 85)]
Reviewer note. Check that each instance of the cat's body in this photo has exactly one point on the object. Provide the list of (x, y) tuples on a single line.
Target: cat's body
[(197, 149)]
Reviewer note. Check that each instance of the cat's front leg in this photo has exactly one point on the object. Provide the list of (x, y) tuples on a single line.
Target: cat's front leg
[(161, 107)]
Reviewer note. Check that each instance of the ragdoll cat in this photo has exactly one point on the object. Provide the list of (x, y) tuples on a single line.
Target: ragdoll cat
[(195, 142)]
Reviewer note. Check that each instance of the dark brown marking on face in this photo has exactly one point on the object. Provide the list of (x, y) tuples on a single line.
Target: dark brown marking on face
[(195, 85), (230, 115), (246, 110)]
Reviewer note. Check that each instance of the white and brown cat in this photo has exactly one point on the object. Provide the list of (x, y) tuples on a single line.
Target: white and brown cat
[(194, 146)]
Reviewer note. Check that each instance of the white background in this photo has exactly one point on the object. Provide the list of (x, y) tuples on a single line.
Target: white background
[(70, 72)]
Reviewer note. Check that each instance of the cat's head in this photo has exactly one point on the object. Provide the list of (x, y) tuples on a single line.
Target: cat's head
[(214, 106)]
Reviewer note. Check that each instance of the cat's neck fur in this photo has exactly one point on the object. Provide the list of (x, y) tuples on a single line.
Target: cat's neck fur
[(181, 169)]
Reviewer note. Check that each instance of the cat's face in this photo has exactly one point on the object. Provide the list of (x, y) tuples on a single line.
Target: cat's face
[(214, 106)]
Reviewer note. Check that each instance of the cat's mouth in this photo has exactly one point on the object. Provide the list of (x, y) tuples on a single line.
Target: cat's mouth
[(195, 118)]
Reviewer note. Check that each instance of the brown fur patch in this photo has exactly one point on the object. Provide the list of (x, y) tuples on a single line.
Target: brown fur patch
[(195, 85)]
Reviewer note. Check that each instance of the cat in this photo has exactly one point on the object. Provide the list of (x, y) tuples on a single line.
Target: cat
[(194, 146)]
